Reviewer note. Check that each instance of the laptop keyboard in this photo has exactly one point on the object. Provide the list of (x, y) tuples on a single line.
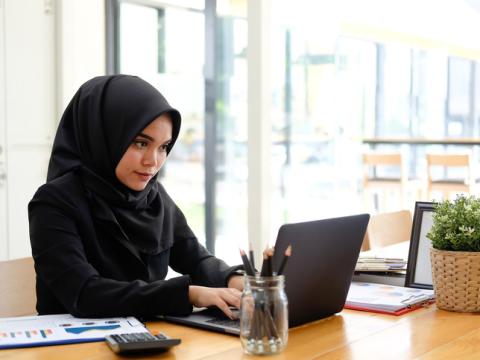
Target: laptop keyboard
[(226, 322), (217, 317)]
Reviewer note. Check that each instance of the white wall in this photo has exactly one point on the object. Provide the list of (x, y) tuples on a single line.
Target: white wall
[(50, 48), (3, 137), (80, 39), (30, 98)]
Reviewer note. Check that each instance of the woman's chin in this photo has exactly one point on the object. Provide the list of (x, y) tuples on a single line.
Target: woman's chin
[(137, 186)]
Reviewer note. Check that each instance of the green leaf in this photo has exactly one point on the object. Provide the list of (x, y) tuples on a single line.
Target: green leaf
[(456, 224)]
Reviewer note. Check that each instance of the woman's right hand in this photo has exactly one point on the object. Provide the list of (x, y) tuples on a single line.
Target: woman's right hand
[(223, 298)]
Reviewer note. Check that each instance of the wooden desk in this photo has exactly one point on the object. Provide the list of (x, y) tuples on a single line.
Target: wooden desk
[(422, 334)]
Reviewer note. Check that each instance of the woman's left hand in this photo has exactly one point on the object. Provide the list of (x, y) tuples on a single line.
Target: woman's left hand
[(223, 298)]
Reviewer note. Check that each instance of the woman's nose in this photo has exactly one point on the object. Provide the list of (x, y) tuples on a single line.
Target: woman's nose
[(150, 158)]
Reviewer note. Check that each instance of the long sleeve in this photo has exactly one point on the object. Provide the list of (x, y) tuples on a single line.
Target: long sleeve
[(63, 247), (188, 256)]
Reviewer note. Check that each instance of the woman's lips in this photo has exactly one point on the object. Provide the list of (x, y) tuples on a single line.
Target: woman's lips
[(144, 176)]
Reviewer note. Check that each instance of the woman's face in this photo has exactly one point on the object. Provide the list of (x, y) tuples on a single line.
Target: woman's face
[(146, 154)]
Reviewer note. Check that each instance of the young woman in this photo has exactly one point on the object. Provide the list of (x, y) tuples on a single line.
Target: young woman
[(103, 230)]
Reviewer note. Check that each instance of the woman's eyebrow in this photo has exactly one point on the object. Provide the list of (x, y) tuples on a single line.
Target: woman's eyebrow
[(145, 136)]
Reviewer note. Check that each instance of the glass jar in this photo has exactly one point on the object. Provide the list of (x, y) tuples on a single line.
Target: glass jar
[(264, 315)]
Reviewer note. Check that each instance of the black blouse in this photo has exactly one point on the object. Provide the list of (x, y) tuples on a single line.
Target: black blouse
[(84, 270), (100, 248)]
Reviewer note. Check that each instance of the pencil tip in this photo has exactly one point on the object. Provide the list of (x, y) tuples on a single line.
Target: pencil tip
[(288, 252)]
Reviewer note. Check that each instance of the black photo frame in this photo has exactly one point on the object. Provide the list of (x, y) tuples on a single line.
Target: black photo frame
[(419, 271)]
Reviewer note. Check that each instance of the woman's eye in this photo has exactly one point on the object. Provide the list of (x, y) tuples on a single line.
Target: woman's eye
[(140, 144), (164, 148)]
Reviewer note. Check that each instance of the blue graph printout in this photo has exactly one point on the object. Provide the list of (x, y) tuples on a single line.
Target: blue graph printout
[(28, 331)]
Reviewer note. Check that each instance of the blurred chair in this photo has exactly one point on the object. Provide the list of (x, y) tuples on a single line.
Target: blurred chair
[(17, 288), (388, 229), (385, 173), (462, 182)]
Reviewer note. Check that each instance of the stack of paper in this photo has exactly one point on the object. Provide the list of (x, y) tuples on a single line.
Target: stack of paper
[(380, 264), (387, 299)]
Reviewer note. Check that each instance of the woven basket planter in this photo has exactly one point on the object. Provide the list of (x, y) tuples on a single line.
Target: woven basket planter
[(456, 280)]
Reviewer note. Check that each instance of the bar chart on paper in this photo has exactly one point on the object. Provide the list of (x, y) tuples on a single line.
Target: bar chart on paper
[(59, 329), (26, 334)]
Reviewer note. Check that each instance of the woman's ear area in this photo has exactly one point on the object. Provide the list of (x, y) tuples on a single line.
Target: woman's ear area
[(175, 120)]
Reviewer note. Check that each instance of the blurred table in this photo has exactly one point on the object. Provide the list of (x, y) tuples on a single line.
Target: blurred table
[(421, 141), (456, 141), (398, 251)]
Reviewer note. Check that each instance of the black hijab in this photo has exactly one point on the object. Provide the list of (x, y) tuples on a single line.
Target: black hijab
[(97, 127)]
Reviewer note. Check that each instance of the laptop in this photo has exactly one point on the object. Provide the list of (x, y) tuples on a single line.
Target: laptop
[(317, 276)]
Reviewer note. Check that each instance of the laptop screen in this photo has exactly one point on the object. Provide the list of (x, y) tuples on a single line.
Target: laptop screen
[(320, 269)]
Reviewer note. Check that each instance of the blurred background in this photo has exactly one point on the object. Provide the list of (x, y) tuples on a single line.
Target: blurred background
[(280, 101)]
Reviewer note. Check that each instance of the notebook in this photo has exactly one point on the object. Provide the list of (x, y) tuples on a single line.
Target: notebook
[(317, 276), (386, 299)]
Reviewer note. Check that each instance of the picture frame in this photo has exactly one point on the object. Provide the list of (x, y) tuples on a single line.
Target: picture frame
[(419, 271)]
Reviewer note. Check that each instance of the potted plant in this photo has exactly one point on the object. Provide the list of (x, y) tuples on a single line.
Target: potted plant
[(455, 254)]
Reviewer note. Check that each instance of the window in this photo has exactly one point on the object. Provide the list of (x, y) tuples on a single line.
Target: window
[(208, 163)]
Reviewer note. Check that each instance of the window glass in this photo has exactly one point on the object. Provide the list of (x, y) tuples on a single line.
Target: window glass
[(156, 44), (430, 67), (189, 4), (477, 91), (163, 59), (458, 111), (231, 144), (339, 73), (396, 91), (323, 98)]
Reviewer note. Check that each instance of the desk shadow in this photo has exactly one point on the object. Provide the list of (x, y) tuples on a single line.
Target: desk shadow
[(335, 320)]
